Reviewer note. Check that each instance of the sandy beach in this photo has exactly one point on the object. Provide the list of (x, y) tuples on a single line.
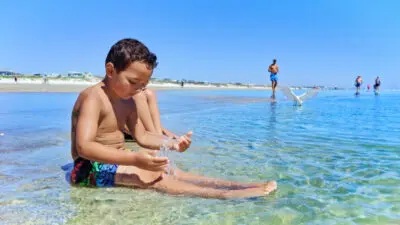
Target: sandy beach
[(28, 85)]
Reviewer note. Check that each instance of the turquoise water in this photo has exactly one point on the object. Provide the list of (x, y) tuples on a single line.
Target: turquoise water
[(336, 160)]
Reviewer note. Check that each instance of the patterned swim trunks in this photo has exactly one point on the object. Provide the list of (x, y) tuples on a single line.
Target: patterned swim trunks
[(87, 173)]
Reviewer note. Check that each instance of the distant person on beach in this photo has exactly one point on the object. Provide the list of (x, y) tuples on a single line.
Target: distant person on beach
[(182, 83), (97, 143), (15, 79), (377, 84), (368, 87), (274, 70), (358, 83)]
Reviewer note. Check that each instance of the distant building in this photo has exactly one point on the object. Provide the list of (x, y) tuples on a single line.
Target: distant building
[(80, 74), (53, 75), (39, 74), (74, 74), (7, 73)]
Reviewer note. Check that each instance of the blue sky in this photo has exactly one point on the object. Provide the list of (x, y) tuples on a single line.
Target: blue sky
[(315, 42)]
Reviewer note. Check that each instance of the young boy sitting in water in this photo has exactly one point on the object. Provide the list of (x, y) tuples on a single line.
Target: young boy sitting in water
[(98, 118)]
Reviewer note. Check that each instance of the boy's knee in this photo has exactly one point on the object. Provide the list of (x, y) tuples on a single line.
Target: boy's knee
[(133, 176), (141, 96), (150, 93), (149, 178)]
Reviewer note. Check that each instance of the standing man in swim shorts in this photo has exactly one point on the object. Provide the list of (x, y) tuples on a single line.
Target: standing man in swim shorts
[(274, 70), (358, 84), (377, 85)]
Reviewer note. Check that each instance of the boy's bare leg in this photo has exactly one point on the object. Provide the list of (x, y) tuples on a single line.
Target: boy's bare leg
[(153, 108), (177, 187), (143, 111), (213, 182), (134, 177)]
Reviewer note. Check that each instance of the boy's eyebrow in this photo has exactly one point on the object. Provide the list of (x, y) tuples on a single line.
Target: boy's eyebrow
[(138, 80)]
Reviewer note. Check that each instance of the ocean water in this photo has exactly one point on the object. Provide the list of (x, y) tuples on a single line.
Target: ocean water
[(336, 160)]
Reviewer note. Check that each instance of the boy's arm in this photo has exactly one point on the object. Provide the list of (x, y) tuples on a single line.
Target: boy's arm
[(86, 131), (169, 133), (155, 141), (143, 138)]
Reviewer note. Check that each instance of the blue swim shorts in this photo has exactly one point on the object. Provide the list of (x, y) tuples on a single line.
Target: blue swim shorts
[(273, 77), (87, 173)]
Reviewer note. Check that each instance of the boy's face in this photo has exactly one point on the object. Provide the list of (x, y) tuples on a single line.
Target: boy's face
[(130, 81)]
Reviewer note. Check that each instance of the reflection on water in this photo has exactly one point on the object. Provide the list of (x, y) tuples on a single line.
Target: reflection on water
[(336, 160)]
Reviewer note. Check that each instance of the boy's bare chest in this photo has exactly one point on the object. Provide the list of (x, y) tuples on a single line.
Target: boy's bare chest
[(110, 129), (113, 119)]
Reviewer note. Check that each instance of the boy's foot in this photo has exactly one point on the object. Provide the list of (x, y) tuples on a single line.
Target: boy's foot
[(261, 191), (269, 187)]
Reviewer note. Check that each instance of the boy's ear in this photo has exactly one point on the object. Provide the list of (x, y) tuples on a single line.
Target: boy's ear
[(110, 69)]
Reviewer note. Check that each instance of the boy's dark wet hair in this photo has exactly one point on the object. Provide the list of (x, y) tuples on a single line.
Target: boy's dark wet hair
[(274, 61), (127, 51)]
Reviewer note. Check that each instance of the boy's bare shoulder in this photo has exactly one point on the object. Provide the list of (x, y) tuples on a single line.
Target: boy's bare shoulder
[(91, 93)]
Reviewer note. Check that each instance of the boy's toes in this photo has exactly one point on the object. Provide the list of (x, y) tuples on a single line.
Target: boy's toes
[(269, 187)]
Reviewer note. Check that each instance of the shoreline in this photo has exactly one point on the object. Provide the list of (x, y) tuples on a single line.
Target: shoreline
[(61, 86)]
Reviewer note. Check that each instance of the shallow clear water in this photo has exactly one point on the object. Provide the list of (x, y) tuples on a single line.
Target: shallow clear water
[(336, 160)]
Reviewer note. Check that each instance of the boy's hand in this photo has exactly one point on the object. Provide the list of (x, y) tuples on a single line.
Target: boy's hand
[(169, 134), (183, 142), (147, 160)]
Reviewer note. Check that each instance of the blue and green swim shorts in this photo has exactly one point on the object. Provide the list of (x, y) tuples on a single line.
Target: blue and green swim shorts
[(89, 173)]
